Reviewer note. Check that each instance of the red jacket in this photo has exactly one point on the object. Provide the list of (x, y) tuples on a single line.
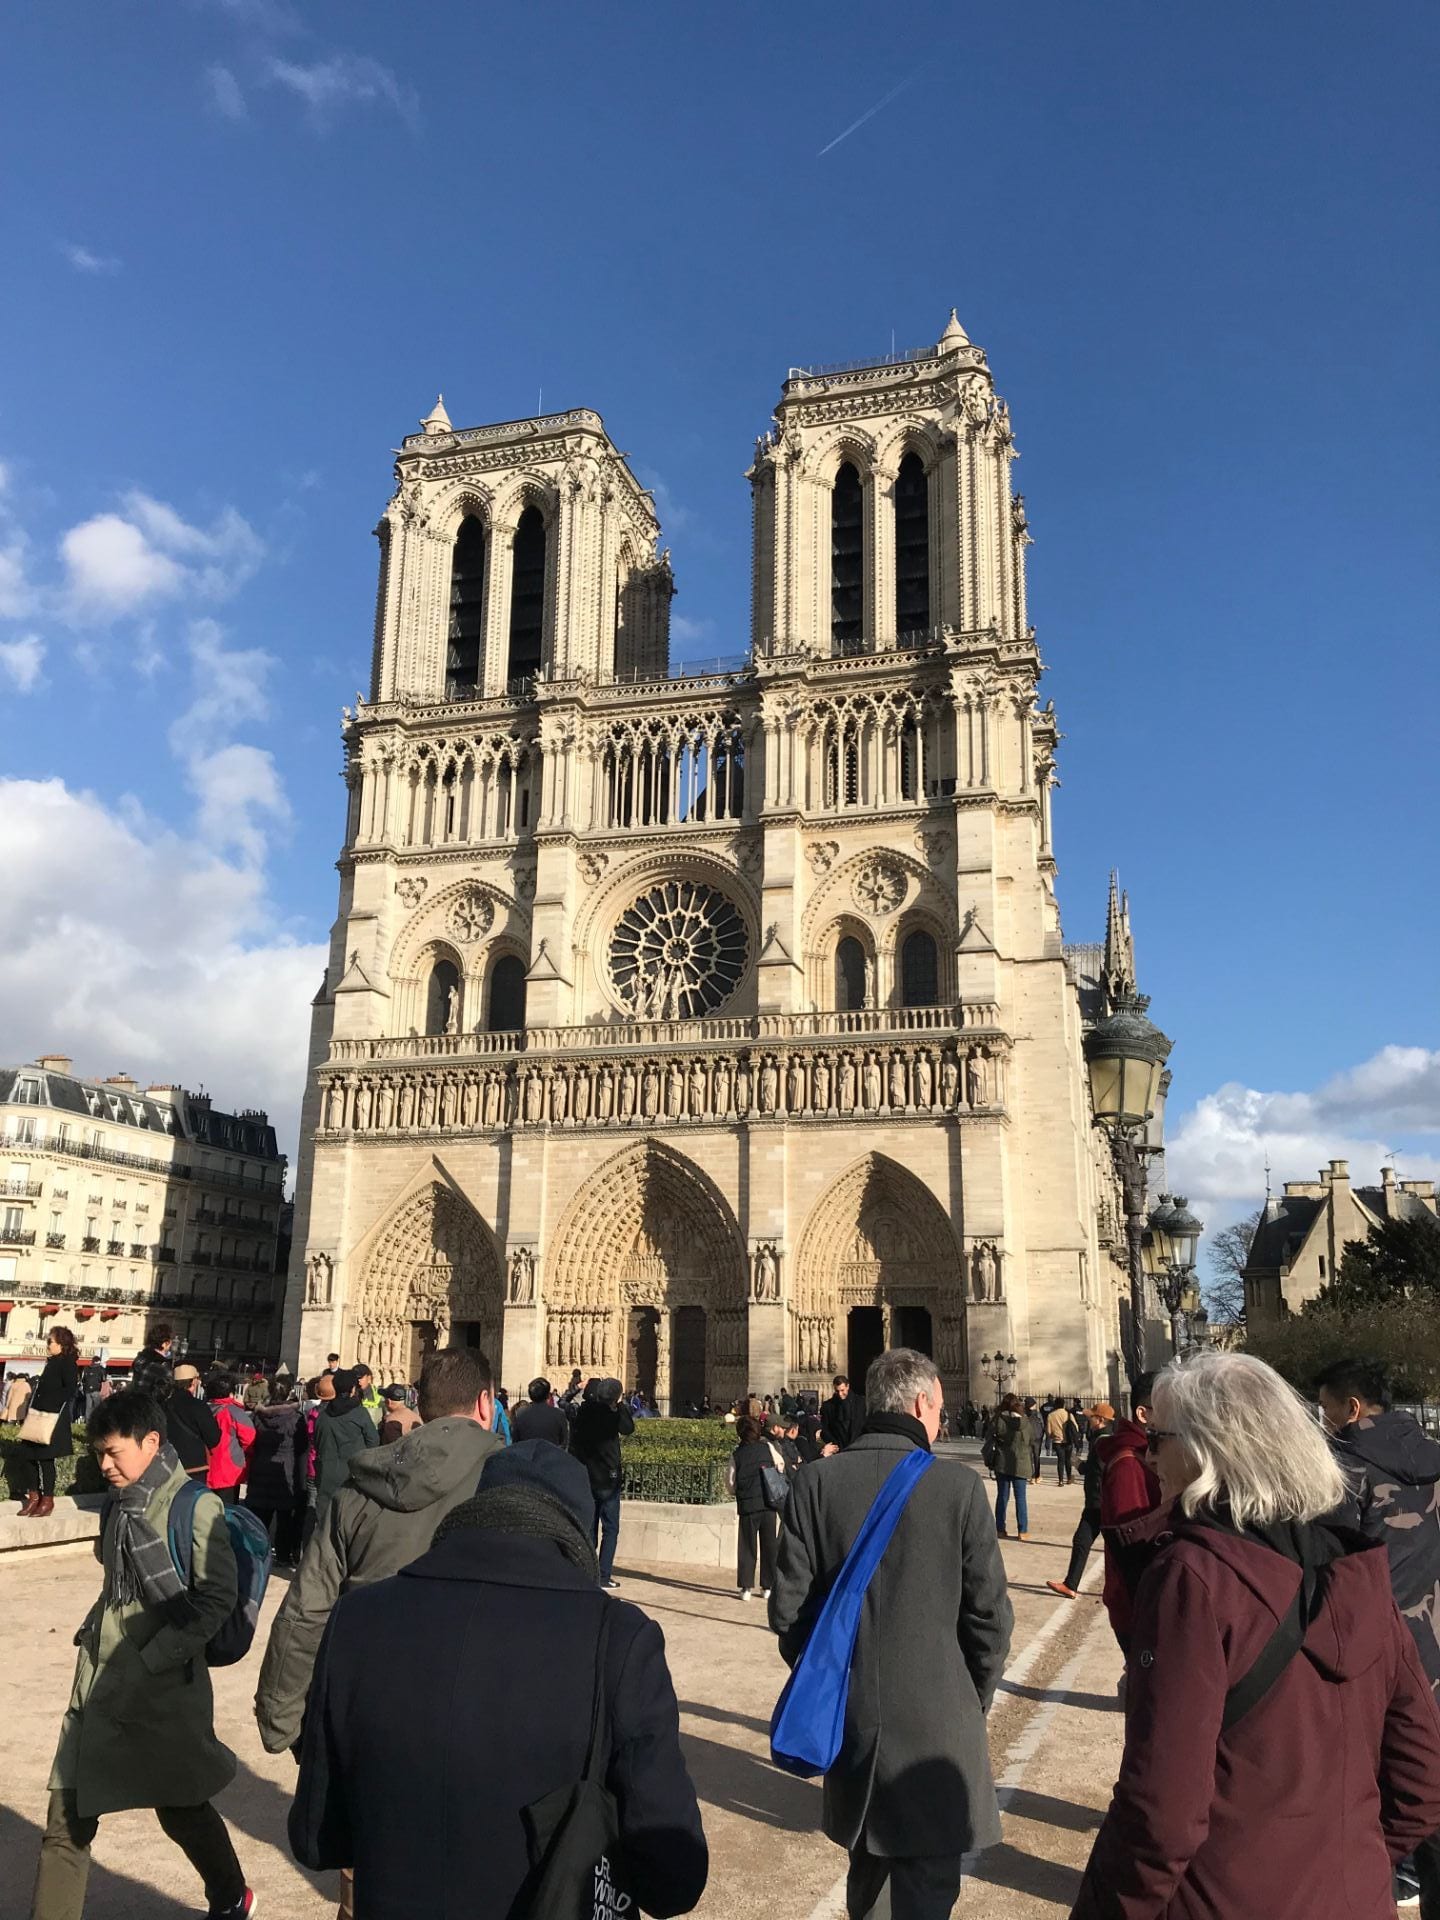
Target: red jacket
[(1128, 1490), (231, 1457), (1300, 1807)]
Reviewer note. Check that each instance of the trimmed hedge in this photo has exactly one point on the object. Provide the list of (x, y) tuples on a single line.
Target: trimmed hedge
[(79, 1473), (678, 1460)]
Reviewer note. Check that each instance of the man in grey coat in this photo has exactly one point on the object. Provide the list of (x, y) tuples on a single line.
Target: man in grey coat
[(911, 1791)]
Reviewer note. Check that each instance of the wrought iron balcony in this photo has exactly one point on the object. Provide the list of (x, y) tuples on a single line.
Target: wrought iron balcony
[(56, 1240), (16, 1237), (115, 1248), (89, 1244), (20, 1190)]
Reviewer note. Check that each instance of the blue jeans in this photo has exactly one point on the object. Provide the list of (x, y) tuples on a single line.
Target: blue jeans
[(607, 1530), (1003, 1484)]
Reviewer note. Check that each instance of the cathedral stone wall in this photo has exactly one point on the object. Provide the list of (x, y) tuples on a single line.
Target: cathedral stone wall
[(709, 1030)]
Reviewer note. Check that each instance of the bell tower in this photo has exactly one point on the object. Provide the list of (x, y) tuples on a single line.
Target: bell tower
[(882, 506), (515, 552)]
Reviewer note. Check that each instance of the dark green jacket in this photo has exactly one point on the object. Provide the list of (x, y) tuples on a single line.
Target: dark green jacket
[(1011, 1435)]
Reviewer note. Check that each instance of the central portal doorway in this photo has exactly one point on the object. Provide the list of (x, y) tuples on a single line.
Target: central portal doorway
[(865, 1341), (687, 1358), (910, 1327), (424, 1338), (642, 1351)]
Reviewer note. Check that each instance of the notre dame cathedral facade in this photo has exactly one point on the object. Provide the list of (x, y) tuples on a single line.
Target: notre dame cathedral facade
[(715, 1029)]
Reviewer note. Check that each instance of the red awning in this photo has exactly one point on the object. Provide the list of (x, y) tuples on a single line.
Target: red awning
[(7, 1306), (84, 1313), (107, 1313), (50, 1306)]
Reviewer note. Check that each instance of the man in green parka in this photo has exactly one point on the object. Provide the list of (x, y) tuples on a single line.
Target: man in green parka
[(140, 1728)]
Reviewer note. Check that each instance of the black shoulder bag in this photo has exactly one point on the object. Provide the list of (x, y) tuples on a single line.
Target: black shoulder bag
[(1279, 1650), (574, 1832)]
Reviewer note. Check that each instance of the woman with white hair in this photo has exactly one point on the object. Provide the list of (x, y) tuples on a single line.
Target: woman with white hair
[(1281, 1744)]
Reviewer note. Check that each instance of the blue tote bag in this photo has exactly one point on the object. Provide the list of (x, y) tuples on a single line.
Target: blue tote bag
[(809, 1718)]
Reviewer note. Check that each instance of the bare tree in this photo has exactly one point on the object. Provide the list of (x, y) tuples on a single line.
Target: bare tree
[(1228, 1251)]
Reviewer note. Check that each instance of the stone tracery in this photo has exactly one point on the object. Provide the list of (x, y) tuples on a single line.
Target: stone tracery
[(434, 1266)]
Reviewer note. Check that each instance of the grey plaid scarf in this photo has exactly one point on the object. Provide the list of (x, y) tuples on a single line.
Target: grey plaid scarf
[(140, 1563)]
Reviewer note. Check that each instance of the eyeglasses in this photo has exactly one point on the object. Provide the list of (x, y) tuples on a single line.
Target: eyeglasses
[(1154, 1435)]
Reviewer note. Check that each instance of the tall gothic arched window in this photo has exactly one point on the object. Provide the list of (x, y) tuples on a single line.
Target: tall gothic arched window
[(847, 561), (527, 597), (919, 970), (506, 1011), (849, 975), (467, 611), (912, 546)]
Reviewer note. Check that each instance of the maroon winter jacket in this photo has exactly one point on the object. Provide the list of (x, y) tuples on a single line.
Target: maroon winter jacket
[(1128, 1490), (1297, 1810)]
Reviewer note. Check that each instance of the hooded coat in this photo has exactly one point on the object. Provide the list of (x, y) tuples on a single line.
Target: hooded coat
[(1300, 1806), (1128, 1489), (1392, 1467), (384, 1519), (276, 1479), (1010, 1433), (343, 1429)]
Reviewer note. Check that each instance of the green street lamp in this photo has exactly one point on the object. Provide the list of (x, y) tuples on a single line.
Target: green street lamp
[(1172, 1238), (1124, 1056)]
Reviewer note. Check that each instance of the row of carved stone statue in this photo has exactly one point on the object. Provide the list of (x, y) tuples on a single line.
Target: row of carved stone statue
[(740, 1085)]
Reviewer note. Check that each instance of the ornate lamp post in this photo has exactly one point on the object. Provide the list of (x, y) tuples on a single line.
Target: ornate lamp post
[(999, 1367), (1124, 1055), (1173, 1236)]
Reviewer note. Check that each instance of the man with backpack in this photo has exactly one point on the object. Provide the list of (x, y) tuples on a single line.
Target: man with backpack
[(140, 1727)]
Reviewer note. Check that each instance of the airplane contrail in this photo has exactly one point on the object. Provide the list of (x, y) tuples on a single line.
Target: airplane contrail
[(869, 114)]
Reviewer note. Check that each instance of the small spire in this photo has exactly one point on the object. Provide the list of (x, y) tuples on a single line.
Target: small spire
[(1119, 943), (437, 420), (954, 334)]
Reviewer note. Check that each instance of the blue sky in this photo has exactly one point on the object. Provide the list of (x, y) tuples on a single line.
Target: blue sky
[(247, 242)]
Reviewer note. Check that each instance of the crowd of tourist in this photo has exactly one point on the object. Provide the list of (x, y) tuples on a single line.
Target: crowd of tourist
[(1271, 1579)]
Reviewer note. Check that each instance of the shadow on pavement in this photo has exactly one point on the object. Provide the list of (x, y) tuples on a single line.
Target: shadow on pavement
[(1006, 1866), (1095, 1702), (703, 1712), (745, 1784), (1046, 1810), (109, 1896), (258, 1809)]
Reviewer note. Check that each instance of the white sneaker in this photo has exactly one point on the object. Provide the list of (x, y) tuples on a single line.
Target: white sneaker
[(765, 1593), (745, 1594)]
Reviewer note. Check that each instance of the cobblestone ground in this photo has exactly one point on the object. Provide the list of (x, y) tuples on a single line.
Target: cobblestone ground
[(1055, 1736)]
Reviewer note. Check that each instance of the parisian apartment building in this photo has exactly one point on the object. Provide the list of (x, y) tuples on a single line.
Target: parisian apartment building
[(122, 1205)]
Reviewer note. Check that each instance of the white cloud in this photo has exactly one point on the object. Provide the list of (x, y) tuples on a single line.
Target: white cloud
[(117, 563), (1216, 1156), (689, 633), (21, 661), (83, 260), (224, 93), (674, 518), (128, 946), (345, 79), (240, 793), (17, 596)]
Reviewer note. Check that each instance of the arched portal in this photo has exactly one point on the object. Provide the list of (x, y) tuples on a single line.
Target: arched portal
[(647, 1281), (432, 1278), (877, 1266)]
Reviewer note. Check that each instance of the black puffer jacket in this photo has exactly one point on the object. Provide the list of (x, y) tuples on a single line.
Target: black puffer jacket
[(1392, 1467), (749, 1462), (276, 1476), (190, 1427)]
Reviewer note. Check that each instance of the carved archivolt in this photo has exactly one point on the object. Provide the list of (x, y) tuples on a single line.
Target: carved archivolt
[(435, 1262), (750, 1083), (647, 1229), (877, 1238)]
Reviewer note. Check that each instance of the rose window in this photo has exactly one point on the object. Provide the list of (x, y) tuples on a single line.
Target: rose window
[(677, 952)]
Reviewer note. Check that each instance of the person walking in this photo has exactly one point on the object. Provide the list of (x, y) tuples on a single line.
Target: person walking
[(540, 1418), (343, 1429), (1101, 1420), (140, 1727), (745, 1477), (17, 1399), (1008, 1447), (497, 1625), (399, 1417), (275, 1480), (1392, 1480), (1062, 1431), (48, 1419), (600, 1425), (382, 1518), (190, 1423), (1035, 1420), (1281, 1741), (230, 1456), (841, 1418), (153, 1365), (911, 1790)]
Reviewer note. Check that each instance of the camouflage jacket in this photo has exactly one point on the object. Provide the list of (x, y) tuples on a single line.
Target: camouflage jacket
[(1392, 1468)]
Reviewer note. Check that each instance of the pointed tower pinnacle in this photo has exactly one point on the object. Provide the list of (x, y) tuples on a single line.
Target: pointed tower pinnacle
[(954, 335), (437, 420), (1119, 944)]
